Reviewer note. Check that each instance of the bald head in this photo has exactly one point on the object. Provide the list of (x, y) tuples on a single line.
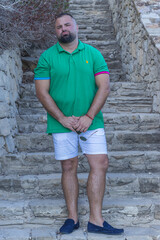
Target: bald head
[(64, 14)]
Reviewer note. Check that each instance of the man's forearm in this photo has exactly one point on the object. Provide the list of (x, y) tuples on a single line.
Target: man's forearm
[(98, 102), (50, 106)]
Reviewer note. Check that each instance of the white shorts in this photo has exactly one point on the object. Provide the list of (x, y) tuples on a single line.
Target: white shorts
[(91, 142)]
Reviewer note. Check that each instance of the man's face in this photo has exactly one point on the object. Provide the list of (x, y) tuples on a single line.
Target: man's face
[(66, 29)]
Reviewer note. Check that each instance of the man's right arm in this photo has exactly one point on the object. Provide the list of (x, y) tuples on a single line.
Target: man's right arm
[(42, 92)]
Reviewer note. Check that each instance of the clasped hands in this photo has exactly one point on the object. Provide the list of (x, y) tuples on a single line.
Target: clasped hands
[(77, 124)]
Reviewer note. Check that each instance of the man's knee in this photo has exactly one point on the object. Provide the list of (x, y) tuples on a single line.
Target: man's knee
[(99, 162), (106, 162), (103, 162), (69, 165)]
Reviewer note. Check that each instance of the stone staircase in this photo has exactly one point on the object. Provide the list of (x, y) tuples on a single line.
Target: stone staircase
[(31, 198)]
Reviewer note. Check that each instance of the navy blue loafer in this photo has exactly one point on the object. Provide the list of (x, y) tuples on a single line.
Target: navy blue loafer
[(106, 229), (69, 226)]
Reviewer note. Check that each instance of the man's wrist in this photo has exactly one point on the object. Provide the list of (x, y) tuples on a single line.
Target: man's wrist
[(89, 116), (61, 119)]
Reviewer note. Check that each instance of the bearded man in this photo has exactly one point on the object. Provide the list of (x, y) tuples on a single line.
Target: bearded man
[(72, 83)]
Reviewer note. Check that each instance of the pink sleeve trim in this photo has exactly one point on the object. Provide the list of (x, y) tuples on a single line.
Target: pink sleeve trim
[(101, 73)]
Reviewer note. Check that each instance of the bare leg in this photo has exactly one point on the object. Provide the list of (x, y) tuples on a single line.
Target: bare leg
[(96, 186), (70, 186)]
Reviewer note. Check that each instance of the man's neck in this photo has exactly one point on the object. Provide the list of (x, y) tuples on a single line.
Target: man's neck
[(70, 47)]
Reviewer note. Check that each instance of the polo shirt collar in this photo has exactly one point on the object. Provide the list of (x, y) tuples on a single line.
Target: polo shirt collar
[(79, 48)]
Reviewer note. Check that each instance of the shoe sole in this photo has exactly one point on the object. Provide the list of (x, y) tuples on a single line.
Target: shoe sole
[(106, 233), (69, 232)]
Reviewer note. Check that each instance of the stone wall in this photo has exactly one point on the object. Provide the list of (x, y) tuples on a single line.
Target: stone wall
[(150, 15), (10, 78), (140, 55)]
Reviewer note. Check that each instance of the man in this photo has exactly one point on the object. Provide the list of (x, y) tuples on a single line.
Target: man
[(72, 83)]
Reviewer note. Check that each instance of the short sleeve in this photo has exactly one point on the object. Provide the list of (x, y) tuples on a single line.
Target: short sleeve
[(42, 71), (100, 66)]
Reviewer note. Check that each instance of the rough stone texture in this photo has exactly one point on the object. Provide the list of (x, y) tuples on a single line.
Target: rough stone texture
[(131, 211), (44, 216), (49, 185), (150, 16), (10, 78), (117, 141), (44, 163), (140, 56), (49, 233)]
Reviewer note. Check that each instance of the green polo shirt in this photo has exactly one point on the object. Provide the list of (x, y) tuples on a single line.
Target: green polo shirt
[(72, 81)]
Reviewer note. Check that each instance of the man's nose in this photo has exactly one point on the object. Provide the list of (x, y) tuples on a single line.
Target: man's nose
[(63, 29)]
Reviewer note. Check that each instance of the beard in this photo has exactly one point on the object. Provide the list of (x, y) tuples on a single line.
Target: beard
[(68, 38)]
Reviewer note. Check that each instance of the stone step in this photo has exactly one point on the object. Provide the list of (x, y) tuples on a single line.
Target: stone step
[(45, 163), (121, 212), (81, 16), (128, 104), (89, 36), (49, 233), (113, 63), (35, 54), (113, 104), (111, 44), (117, 141), (100, 23), (107, 48), (97, 33), (88, 8), (30, 63), (113, 122), (115, 76), (84, 37), (130, 89), (49, 185), (90, 14)]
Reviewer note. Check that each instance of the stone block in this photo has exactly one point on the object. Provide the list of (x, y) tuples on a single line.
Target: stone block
[(29, 183), (5, 184), (16, 233), (4, 110), (149, 185), (156, 102), (10, 144), (2, 78), (157, 212), (11, 211), (45, 210), (4, 95), (2, 142), (44, 234), (5, 128)]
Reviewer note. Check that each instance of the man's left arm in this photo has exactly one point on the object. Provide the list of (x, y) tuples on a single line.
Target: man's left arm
[(103, 84)]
